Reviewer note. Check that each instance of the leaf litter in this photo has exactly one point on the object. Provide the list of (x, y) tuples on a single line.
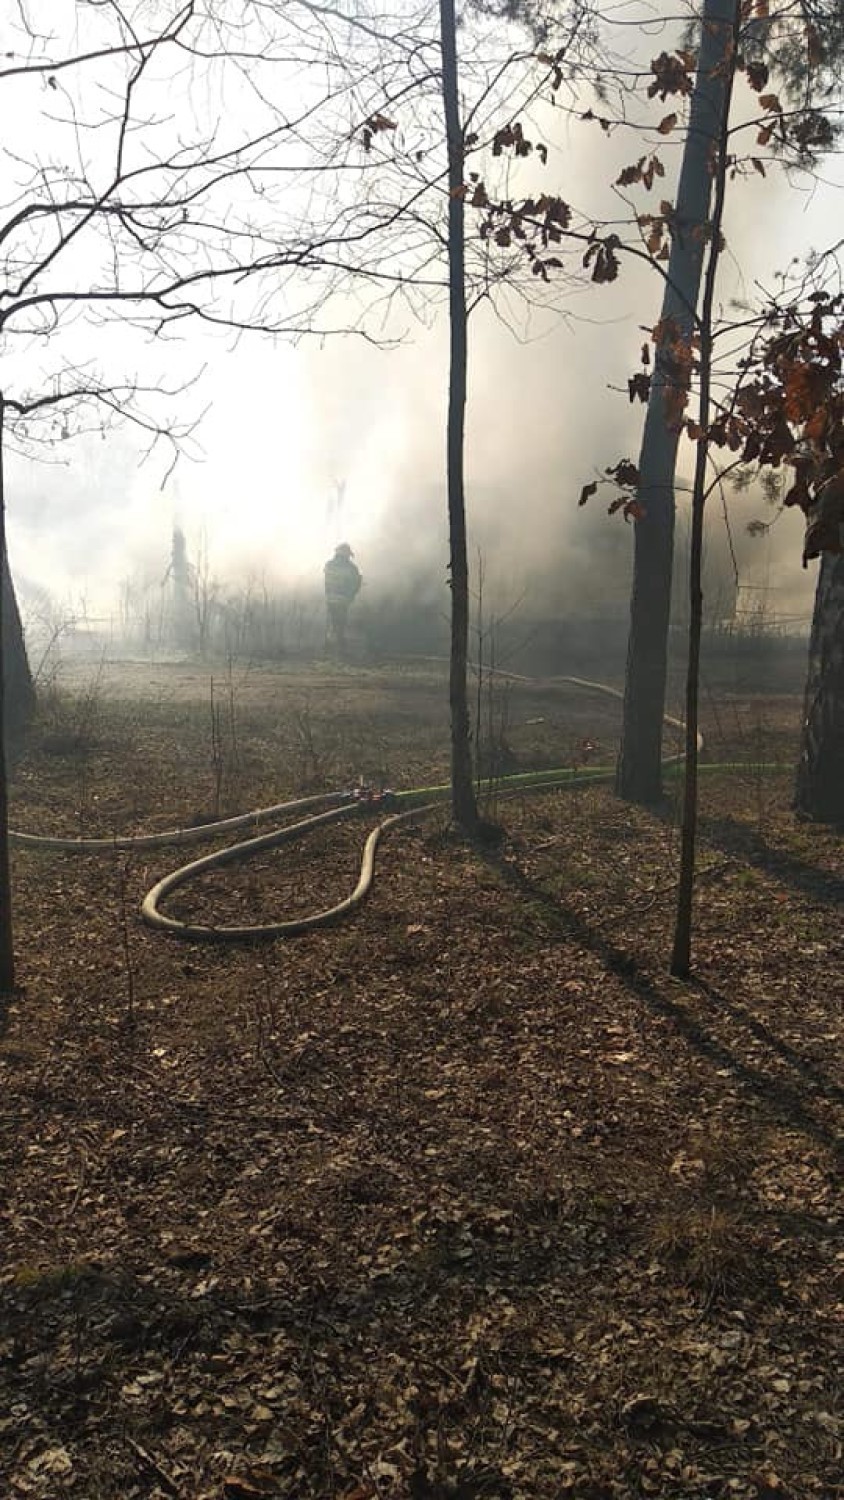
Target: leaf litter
[(462, 1199)]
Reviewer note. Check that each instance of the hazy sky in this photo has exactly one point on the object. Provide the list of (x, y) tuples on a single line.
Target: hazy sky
[(284, 423)]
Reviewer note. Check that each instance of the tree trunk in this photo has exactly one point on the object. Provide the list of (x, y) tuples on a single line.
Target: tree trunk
[(681, 954), (19, 695), (819, 793), (639, 774), (463, 804), (9, 621)]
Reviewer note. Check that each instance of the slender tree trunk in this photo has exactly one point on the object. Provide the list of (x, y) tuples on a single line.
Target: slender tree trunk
[(819, 792), (463, 803), (639, 775), (681, 955), (19, 687), (7, 954)]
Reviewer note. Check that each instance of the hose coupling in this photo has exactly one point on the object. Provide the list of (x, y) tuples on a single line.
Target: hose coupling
[(372, 798)]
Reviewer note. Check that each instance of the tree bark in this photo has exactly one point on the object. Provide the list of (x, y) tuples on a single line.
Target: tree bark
[(639, 772), (463, 804), (681, 953), (7, 621), (19, 696), (819, 792)]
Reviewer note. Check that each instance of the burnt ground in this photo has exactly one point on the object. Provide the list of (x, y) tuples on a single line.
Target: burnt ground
[(464, 1198)]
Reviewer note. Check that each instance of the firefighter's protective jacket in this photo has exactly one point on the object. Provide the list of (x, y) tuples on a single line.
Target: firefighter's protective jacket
[(342, 581)]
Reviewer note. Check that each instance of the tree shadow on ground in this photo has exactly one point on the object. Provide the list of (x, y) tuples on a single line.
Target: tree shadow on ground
[(782, 1098), (736, 838), (78, 1335), (815, 1079)]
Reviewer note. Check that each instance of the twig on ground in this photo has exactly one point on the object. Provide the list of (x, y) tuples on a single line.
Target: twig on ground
[(152, 1463)]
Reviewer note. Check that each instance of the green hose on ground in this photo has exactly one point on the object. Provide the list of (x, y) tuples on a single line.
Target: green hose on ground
[(326, 809), (417, 801)]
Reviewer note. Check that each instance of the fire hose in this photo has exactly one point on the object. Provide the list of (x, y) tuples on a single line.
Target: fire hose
[(324, 810)]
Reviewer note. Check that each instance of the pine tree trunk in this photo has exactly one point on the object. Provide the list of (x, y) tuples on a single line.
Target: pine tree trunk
[(463, 803), (819, 793), (639, 774)]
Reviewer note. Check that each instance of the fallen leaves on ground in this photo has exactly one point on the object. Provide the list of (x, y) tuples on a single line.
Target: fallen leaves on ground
[(462, 1199)]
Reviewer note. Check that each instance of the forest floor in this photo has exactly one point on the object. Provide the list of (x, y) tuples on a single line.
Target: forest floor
[(464, 1198)]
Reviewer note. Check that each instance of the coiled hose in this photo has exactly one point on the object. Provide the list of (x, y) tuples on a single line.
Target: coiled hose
[(325, 809)]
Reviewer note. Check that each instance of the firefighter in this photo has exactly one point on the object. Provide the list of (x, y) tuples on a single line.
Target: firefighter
[(342, 586)]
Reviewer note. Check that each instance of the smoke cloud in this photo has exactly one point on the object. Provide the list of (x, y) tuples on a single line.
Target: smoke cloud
[(306, 446)]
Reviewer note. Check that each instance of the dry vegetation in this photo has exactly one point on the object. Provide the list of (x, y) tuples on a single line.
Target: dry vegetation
[(461, 1199)]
